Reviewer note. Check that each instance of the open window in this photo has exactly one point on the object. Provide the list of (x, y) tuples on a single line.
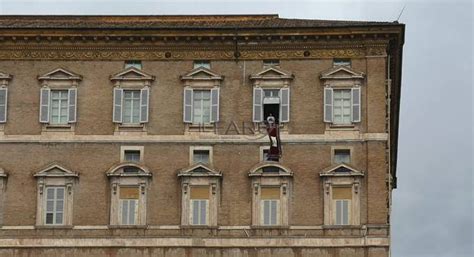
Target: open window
[(55, 196), (131, 99), (200, 195), (342, 96), (271, 95), (128, 183), (58, 100), (342, 186), (271, 186)]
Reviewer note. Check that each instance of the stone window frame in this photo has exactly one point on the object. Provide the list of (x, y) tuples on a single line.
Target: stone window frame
[(259, 179), (59, 79), (342, 147), (135, 79), (124, 148), (261, 149), (118, 178), (4, 81), (199, 148), (201, 78), (332, 178), (271, 77), (55, 176), (200, 175), (342, 78), (3, 186)]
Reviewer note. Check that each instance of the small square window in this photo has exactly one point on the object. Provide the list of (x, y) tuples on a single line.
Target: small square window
[(132, 155), (133, 63), (342, 156), (202, 63), (201, 156), (342, 62), (271, 63)]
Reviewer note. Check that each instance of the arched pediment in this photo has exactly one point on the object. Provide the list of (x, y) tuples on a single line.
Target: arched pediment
[(270, 169), (132, 74), (55, 170), (341, 72), (341, 170), (199, 170), (272, 73), (60, 74), (128, 169), (201, 73)]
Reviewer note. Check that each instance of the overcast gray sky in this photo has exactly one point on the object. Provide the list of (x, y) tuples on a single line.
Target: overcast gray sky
[(433, 205)]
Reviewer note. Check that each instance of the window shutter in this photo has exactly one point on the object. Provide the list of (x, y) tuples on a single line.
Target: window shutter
[(188, 105), (215, 105), (3, 104), (72, 105), (257, 104), (285, 105), (118, 99), (328, 105), (356, 104), (144, 99), (44, 104)]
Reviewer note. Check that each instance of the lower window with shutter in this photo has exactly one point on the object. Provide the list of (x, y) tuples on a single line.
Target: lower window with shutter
[(54, 214), (342, 197), (270, 206), (129, 205), (199, 205)]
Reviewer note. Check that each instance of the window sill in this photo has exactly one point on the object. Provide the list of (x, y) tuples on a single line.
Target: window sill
[(342, 226), (52, 128), (198, 227), (128, 226), (201, 128), (131, 125), (269, 227), (54, 227), (124, 128)]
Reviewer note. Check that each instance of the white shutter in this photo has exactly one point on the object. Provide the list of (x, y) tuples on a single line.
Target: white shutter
[(144, 103), (215, 105), (356, 104), (328, 104), (284, 105), (3, 104), (257, 104), (44, 105), (118, 99), (72, 105), (188, 105)]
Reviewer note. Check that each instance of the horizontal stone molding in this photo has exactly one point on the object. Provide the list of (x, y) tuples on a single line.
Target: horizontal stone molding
[(194, 242), (341, 137)]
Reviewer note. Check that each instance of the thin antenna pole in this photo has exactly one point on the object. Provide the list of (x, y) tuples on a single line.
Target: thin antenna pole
[(401, 12)]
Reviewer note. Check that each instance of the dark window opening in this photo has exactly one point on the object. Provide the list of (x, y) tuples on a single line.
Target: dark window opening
[(343, 169), (273, 109), (130, 170), (271, 169)]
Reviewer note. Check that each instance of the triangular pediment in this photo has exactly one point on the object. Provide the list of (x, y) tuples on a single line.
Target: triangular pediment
[(55, 170), (5, 76), (201, 73), (342, 72), (342, 170), (199, 170), (132, 73), (60, 74), (272, 73)]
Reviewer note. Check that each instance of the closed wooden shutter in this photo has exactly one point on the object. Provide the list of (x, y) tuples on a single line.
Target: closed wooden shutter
[(3, 104), (188, 105), (356, 104), (215, 105), (118, 99), (284, 105), (44, 105), (328, 105), (144, 104), (72, 105), (257, 104)]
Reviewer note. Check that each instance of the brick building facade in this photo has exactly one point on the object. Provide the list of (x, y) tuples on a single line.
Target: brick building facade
[(141, 135)]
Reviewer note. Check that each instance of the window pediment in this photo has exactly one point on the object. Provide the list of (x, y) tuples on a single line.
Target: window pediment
[(342, 73), (341, 170), (270, 169), (201, 73), (56, 170), (60, 74), (128, 169), (132, 74), (272, 73), (199, 170)]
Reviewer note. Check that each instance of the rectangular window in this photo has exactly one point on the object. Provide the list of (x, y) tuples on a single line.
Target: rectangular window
[(129, 205), (132, 155), (202, 63), (54, 214), (270, 206), (131, 106), (342, 106), (271, 103), (199, 205), (133, 63), (59, 107), (342, 197), (342, 156), (271, 63), (201, 106), (201, 156), (341, 62)]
